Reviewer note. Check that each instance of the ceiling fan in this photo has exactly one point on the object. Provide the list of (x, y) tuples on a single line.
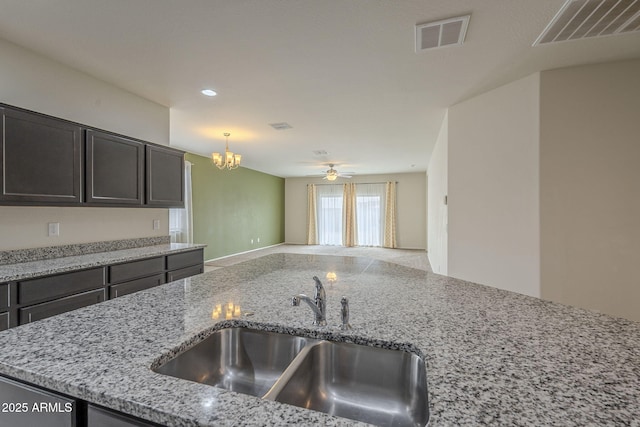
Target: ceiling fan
[(331, 174)]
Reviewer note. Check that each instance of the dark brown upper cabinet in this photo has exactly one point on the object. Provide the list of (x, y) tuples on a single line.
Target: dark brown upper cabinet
[(165, 177), (114, 169), (40, 159)]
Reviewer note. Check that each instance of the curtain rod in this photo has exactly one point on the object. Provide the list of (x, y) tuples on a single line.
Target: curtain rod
[(395, 182)]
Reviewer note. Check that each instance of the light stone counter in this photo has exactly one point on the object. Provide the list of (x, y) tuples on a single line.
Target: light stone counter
[(493, 357)]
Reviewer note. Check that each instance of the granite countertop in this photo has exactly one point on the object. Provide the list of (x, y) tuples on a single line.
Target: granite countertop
[(493, 357), (30, 269)]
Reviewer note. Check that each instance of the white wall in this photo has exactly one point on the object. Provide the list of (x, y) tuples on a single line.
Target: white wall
[(437, 174), (590, 187), (411, 205), (493, 188), (36, 83)]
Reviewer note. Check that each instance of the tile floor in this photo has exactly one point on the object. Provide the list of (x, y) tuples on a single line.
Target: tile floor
[(413, 258)]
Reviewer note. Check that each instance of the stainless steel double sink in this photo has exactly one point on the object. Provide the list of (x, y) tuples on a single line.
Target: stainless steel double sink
[(374, 385)]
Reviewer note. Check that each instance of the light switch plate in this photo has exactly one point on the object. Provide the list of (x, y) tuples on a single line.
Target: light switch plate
[(54, 229), (156, 224)]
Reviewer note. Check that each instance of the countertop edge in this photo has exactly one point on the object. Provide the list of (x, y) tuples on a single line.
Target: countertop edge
[(32, 269)]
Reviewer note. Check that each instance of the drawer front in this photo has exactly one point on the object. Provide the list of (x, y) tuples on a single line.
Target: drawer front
[(184, 272), (56, 410), (100, 417), (48, 288), (136, 285), (133, 270), (59, 306), (185, 259), (4, 321), (4, 296)]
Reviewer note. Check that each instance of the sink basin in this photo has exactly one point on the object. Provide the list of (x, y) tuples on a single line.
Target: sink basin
[(237, 359), (374, 385)]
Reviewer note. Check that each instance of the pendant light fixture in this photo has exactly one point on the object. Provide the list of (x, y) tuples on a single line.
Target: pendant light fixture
[(230, 160)]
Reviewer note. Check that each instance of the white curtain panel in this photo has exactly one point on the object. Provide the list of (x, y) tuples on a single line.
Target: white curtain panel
[(329, 214), (370, 203), (181, 220)]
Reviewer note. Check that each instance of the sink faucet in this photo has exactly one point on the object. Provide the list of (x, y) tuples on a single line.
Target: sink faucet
[(344, 314), (318, 304)]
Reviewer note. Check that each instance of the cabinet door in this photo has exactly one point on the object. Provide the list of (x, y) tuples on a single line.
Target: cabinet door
[(114, 169), (184, 273), (28, 406), (101, 417), (185, 259), (136, 285), (132, 270), (40, 159), (4, 321), (165, 177), (50, 287), (4, 296), (59, 306)]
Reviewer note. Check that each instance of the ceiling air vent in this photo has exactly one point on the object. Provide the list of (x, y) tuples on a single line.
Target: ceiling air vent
[(581, 19), (280, 126), (447, 32)]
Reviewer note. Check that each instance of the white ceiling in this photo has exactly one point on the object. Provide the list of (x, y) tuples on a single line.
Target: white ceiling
[(343, 73)]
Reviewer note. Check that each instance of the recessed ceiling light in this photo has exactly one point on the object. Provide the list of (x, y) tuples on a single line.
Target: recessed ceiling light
[(209, 92)]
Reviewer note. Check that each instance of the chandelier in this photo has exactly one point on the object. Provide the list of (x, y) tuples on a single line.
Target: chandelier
[(229, 161)]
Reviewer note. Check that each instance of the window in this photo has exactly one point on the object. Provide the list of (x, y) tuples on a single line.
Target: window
[(181, 220), (329, 214), (370, 214)]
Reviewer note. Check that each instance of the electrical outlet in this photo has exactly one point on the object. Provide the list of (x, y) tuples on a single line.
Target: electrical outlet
[(156, 224), (252, 241), (258, 240), (54, 229)]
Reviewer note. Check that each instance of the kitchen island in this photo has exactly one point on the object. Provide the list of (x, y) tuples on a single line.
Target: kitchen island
[(493, 357)]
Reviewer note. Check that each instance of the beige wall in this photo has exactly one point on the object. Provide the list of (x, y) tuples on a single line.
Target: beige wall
[(493, 203), (33, 82), (411, 205), (26, 227), (590, 187), (437, 174)]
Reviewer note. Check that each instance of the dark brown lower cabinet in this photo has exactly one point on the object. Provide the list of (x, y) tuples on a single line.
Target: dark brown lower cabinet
[(4, 321), (24, 405), (27, 406), (4, 296), (59, 306), (185, 264), (34, 299), (50, 287), (101, 417), (184, 273), (125, 288)]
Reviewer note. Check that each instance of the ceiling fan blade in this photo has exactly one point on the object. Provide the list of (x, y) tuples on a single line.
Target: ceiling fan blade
[(345, 176)]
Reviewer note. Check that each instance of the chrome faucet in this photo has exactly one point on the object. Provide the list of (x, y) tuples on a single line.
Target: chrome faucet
[(318, 304), (344, 314)]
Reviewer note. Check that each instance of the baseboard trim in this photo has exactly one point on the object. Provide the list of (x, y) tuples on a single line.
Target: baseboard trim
[(245, 252)]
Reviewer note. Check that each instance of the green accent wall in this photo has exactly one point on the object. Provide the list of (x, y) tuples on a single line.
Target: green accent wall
[(232, 207)]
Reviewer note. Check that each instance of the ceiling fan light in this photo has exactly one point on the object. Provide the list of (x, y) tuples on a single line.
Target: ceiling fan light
[(332, 177)]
